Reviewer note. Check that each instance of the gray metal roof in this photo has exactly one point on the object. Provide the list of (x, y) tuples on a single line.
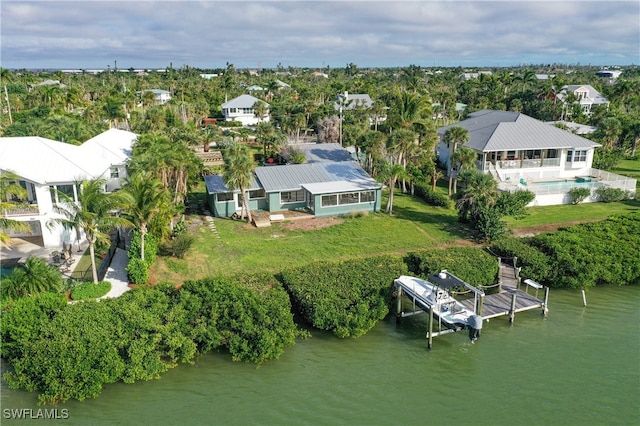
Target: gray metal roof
[(242, 101), (290, 177), (324, 152), (505, 131), (215, 184), (353, 100)]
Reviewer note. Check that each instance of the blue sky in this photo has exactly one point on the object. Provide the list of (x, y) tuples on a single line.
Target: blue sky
[(208, 34)]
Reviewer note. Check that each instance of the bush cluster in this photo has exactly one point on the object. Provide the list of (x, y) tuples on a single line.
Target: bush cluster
[(607, 194), (473, 265), (346, 298), (589, 254), (137, 268), (580, 256), (68, 352), (431, 197), (578, 195)]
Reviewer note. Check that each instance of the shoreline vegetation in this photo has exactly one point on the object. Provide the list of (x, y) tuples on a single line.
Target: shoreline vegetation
[(64, 351)]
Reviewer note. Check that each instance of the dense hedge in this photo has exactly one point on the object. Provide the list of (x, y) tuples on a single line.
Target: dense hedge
[(346, 298), (431, 197), (473, 265), (534, 263), (595, 253), (67, 351), (138, 269)]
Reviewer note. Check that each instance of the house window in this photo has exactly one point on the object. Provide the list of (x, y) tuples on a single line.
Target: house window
[(511, 155), (292, 196), (257, 193), (65, 193), (552, 153), (532, 154), (349, 198), (224, 196), (367, 197), (115, 173), (579, 156), (329, 200)]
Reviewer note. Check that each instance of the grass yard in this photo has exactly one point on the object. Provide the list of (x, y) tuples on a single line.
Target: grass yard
[(238, 247), (569, 214), (630, 168)]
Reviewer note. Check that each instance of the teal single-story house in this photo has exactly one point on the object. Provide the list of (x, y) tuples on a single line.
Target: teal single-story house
[(330, 183)]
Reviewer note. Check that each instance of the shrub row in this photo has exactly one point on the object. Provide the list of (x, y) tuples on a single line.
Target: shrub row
[(67, 351), (598, 253), (346, 298), (470, 264), (431, 197)]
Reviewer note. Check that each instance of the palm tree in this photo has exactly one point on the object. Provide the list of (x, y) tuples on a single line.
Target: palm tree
[(33, 277), (94, 213), (260, 110), (478, 190), (147, 202), (465, 158), (389, 174), (453, 136), (238, 170)]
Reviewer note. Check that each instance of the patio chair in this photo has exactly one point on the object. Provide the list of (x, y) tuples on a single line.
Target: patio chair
[(523, 182)]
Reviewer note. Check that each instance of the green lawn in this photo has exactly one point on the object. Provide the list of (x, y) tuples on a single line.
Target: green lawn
[(630, 168), (414, 225), (569, 213), (241, 247)]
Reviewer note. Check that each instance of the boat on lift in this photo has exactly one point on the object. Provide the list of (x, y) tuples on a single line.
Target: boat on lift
[(446, 308)]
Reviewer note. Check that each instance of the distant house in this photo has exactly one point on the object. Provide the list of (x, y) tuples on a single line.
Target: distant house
[(242, 109), (330, 183), (319, 74), (162, 96), (610, 75), (586, 95), (350, 101), (48, 169), (52, 83)]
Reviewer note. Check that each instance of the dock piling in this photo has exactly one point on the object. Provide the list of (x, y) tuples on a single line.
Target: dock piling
[(512, 311), (584, 298), (430, 331)]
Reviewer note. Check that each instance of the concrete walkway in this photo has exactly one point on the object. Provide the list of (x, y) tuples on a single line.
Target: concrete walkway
[(117, 275)]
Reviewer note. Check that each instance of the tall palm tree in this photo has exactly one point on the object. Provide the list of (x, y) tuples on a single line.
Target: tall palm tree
[(238, 170), (453, 136), (147, 202), (94, 213), (389, 174)]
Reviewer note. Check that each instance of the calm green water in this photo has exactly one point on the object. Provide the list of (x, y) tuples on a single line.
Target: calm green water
[(579, 366)]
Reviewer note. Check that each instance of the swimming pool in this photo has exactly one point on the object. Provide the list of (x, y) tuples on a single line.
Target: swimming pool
[(7, 267), (563, 185)]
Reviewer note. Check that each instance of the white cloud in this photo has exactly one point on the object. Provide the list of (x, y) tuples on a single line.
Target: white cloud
[(369, 33)]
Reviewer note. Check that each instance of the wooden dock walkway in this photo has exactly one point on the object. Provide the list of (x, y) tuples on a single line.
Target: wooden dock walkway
[(510, 298)]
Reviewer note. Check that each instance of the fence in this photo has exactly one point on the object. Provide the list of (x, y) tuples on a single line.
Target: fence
[(118, 240)]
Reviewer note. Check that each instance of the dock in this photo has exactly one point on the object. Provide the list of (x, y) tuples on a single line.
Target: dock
[(512, 295)]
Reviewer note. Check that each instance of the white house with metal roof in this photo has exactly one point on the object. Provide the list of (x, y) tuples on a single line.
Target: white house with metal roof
[(329, 184), (521, 152), (242, 109), (585, 95), (49, 168)]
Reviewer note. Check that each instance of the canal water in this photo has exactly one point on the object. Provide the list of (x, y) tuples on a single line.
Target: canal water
[(577, 366)]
